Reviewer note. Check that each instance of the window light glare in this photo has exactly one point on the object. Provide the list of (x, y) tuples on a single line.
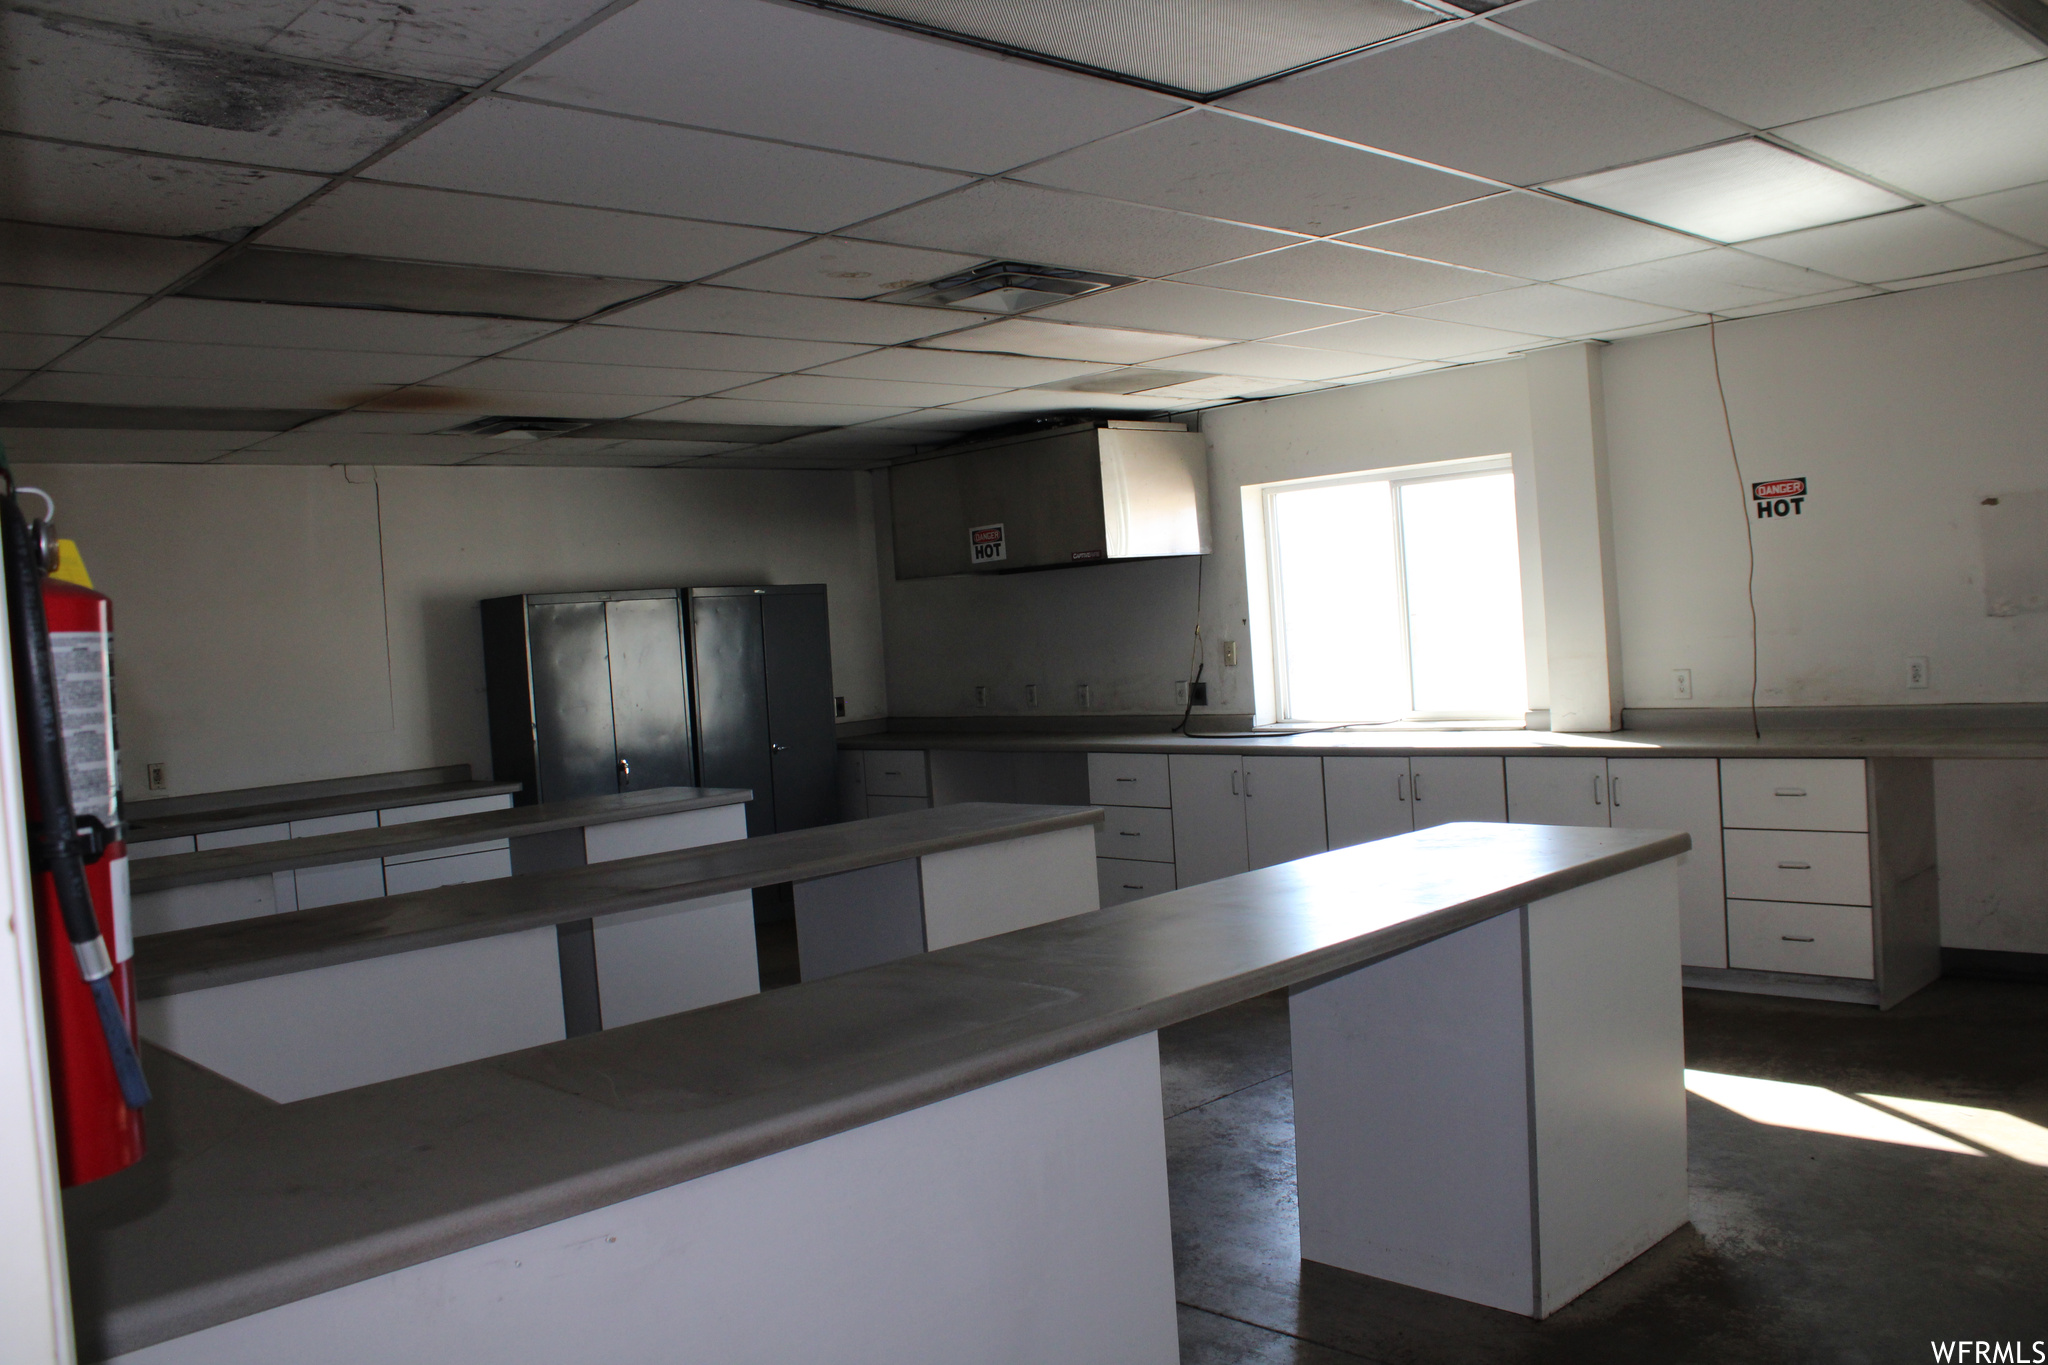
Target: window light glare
[(1733, 192), (1785, 1104)]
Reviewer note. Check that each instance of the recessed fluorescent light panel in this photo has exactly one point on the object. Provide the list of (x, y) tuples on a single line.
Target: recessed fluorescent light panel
[(1732, 192), (1005, 287), (1199, 48)]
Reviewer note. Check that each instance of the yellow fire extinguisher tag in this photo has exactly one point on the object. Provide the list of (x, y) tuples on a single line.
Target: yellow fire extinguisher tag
[(70, 565)]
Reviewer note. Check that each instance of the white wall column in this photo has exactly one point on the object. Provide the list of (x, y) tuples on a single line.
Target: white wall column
[(1582, 612)]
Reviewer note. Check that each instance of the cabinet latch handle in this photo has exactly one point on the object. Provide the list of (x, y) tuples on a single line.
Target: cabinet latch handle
[(1127, 779), (1130, 834), (1596, 790), (1789, 791), (1797, 867), (1795, 938)]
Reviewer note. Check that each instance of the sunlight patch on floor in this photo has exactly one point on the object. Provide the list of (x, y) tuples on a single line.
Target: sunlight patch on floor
[(1785, 1104)]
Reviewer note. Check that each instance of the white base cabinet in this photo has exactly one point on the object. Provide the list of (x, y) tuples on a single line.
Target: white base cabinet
[(1373, 798), (1232, 813)]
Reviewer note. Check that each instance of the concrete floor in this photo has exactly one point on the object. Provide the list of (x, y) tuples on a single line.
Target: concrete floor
[(1803, 1246)]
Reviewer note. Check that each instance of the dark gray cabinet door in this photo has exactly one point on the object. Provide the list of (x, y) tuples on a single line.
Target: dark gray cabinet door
[(572, 713), (732, 702), (650, 700), (796, 650)]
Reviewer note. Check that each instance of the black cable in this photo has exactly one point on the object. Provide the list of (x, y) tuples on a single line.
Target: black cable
[(1748, 531), (1194, 653), (54, 840)]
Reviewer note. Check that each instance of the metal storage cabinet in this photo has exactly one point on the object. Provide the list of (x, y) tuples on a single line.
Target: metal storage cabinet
[(588, 694), (762, 663)]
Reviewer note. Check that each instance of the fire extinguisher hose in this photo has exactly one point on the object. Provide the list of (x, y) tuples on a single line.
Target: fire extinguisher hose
[(55, 840)]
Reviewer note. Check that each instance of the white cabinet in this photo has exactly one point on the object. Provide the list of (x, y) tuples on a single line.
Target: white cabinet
[(1799, 865), (1129, 780), (1366, 799), (1794, 793), (1680, 793), (1119, 880), (1208, 817), (1138, 832), (1812, 940), (1557, 790), (1444, 789), (1283, 809)]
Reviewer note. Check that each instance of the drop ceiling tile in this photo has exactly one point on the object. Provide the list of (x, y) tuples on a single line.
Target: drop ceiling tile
[(328, 447), (1530, 235), (1854, 291), (1412, 338), (1769, 64), (569, 156), (1713, 281), (599, 345), (619, 455), (1029, 402), (469, 229), (1162, 305), (812, 388), (84, 446), (554, 376), (1478, 101), (927, 365), (1355, 277), (761, 412), (1069, 341), (841, 268), (455, 40), (130, 390), (196, 360), (72, 258), (793, 73), (450, 398), (1549, 310), (379, 423), (1016, 222), (83, 80), (88, 187), (1265, 359), (934, 421), (2035, 262), (9, 378), (2022, 212), (748, 312), (1983, 135), (1647, 329), (1895, 246), (27, 351), (62, 312), (1209, 163), (337, 329)]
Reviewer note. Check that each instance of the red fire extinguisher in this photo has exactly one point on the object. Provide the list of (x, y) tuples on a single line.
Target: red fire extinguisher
[(64, 707)]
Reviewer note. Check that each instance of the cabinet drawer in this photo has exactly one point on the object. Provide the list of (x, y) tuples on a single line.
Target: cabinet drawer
[(1793, 793), (1139, 832), (1797, 865), (1128, 780), (1820, 940), (1122, 880), (442, 810), (895, 772)]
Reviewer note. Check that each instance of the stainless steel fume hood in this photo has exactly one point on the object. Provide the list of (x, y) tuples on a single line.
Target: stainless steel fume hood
[(1065, 497)]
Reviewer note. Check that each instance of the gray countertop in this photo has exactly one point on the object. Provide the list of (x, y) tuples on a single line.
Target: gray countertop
[(321, 850), (140, 825), (1867, 743), (300, 1198), (274, 945), (237, 798)]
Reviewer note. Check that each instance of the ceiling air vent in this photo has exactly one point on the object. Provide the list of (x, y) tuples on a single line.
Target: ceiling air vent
[(1006, 287), (520, 428)]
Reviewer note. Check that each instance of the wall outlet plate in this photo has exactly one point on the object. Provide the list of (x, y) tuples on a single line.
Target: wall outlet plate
[(1031, 694), (1681, 684), (159, 780), (1230, 654), (1917, 671), (839, 707)]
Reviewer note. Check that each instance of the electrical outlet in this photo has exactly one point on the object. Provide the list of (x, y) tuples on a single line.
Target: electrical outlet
[(1916, 671), (1201, 694), (981, 696), (158, 780), (1681, 684), (1031, 694), (839, 707), (1085, 695), (1230, 654)]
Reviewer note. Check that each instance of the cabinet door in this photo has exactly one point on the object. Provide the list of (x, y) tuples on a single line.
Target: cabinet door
[(650, 701), (1283, 809), (572, 700), (1460, 788), (1557, 791), (732, 701), (1366, 799), (796, 647), (1680, 793), (1208, 818)]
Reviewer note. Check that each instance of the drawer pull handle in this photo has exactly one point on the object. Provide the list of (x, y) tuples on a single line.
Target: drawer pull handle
[(1127, 779), (1797, 867), (886, 772), (1133, 886), (1796, 938), (1130, 834), (1789, 791)]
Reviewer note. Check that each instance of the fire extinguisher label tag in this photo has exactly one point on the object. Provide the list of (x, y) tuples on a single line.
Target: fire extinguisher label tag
[(83, 705)]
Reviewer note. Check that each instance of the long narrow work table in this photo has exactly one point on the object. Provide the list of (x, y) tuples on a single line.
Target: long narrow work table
[(956, 1157), (593, 933)]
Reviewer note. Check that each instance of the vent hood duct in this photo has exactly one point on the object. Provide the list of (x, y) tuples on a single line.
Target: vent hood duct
[(1086, 493)]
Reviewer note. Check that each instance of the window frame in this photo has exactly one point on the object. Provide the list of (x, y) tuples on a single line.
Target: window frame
[(1395, 478)]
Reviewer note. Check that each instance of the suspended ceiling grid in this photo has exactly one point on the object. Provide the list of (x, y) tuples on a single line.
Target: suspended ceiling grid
[(668, 219)]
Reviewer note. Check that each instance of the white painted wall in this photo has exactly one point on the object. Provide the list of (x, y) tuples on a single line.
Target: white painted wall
[(284, 624)]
